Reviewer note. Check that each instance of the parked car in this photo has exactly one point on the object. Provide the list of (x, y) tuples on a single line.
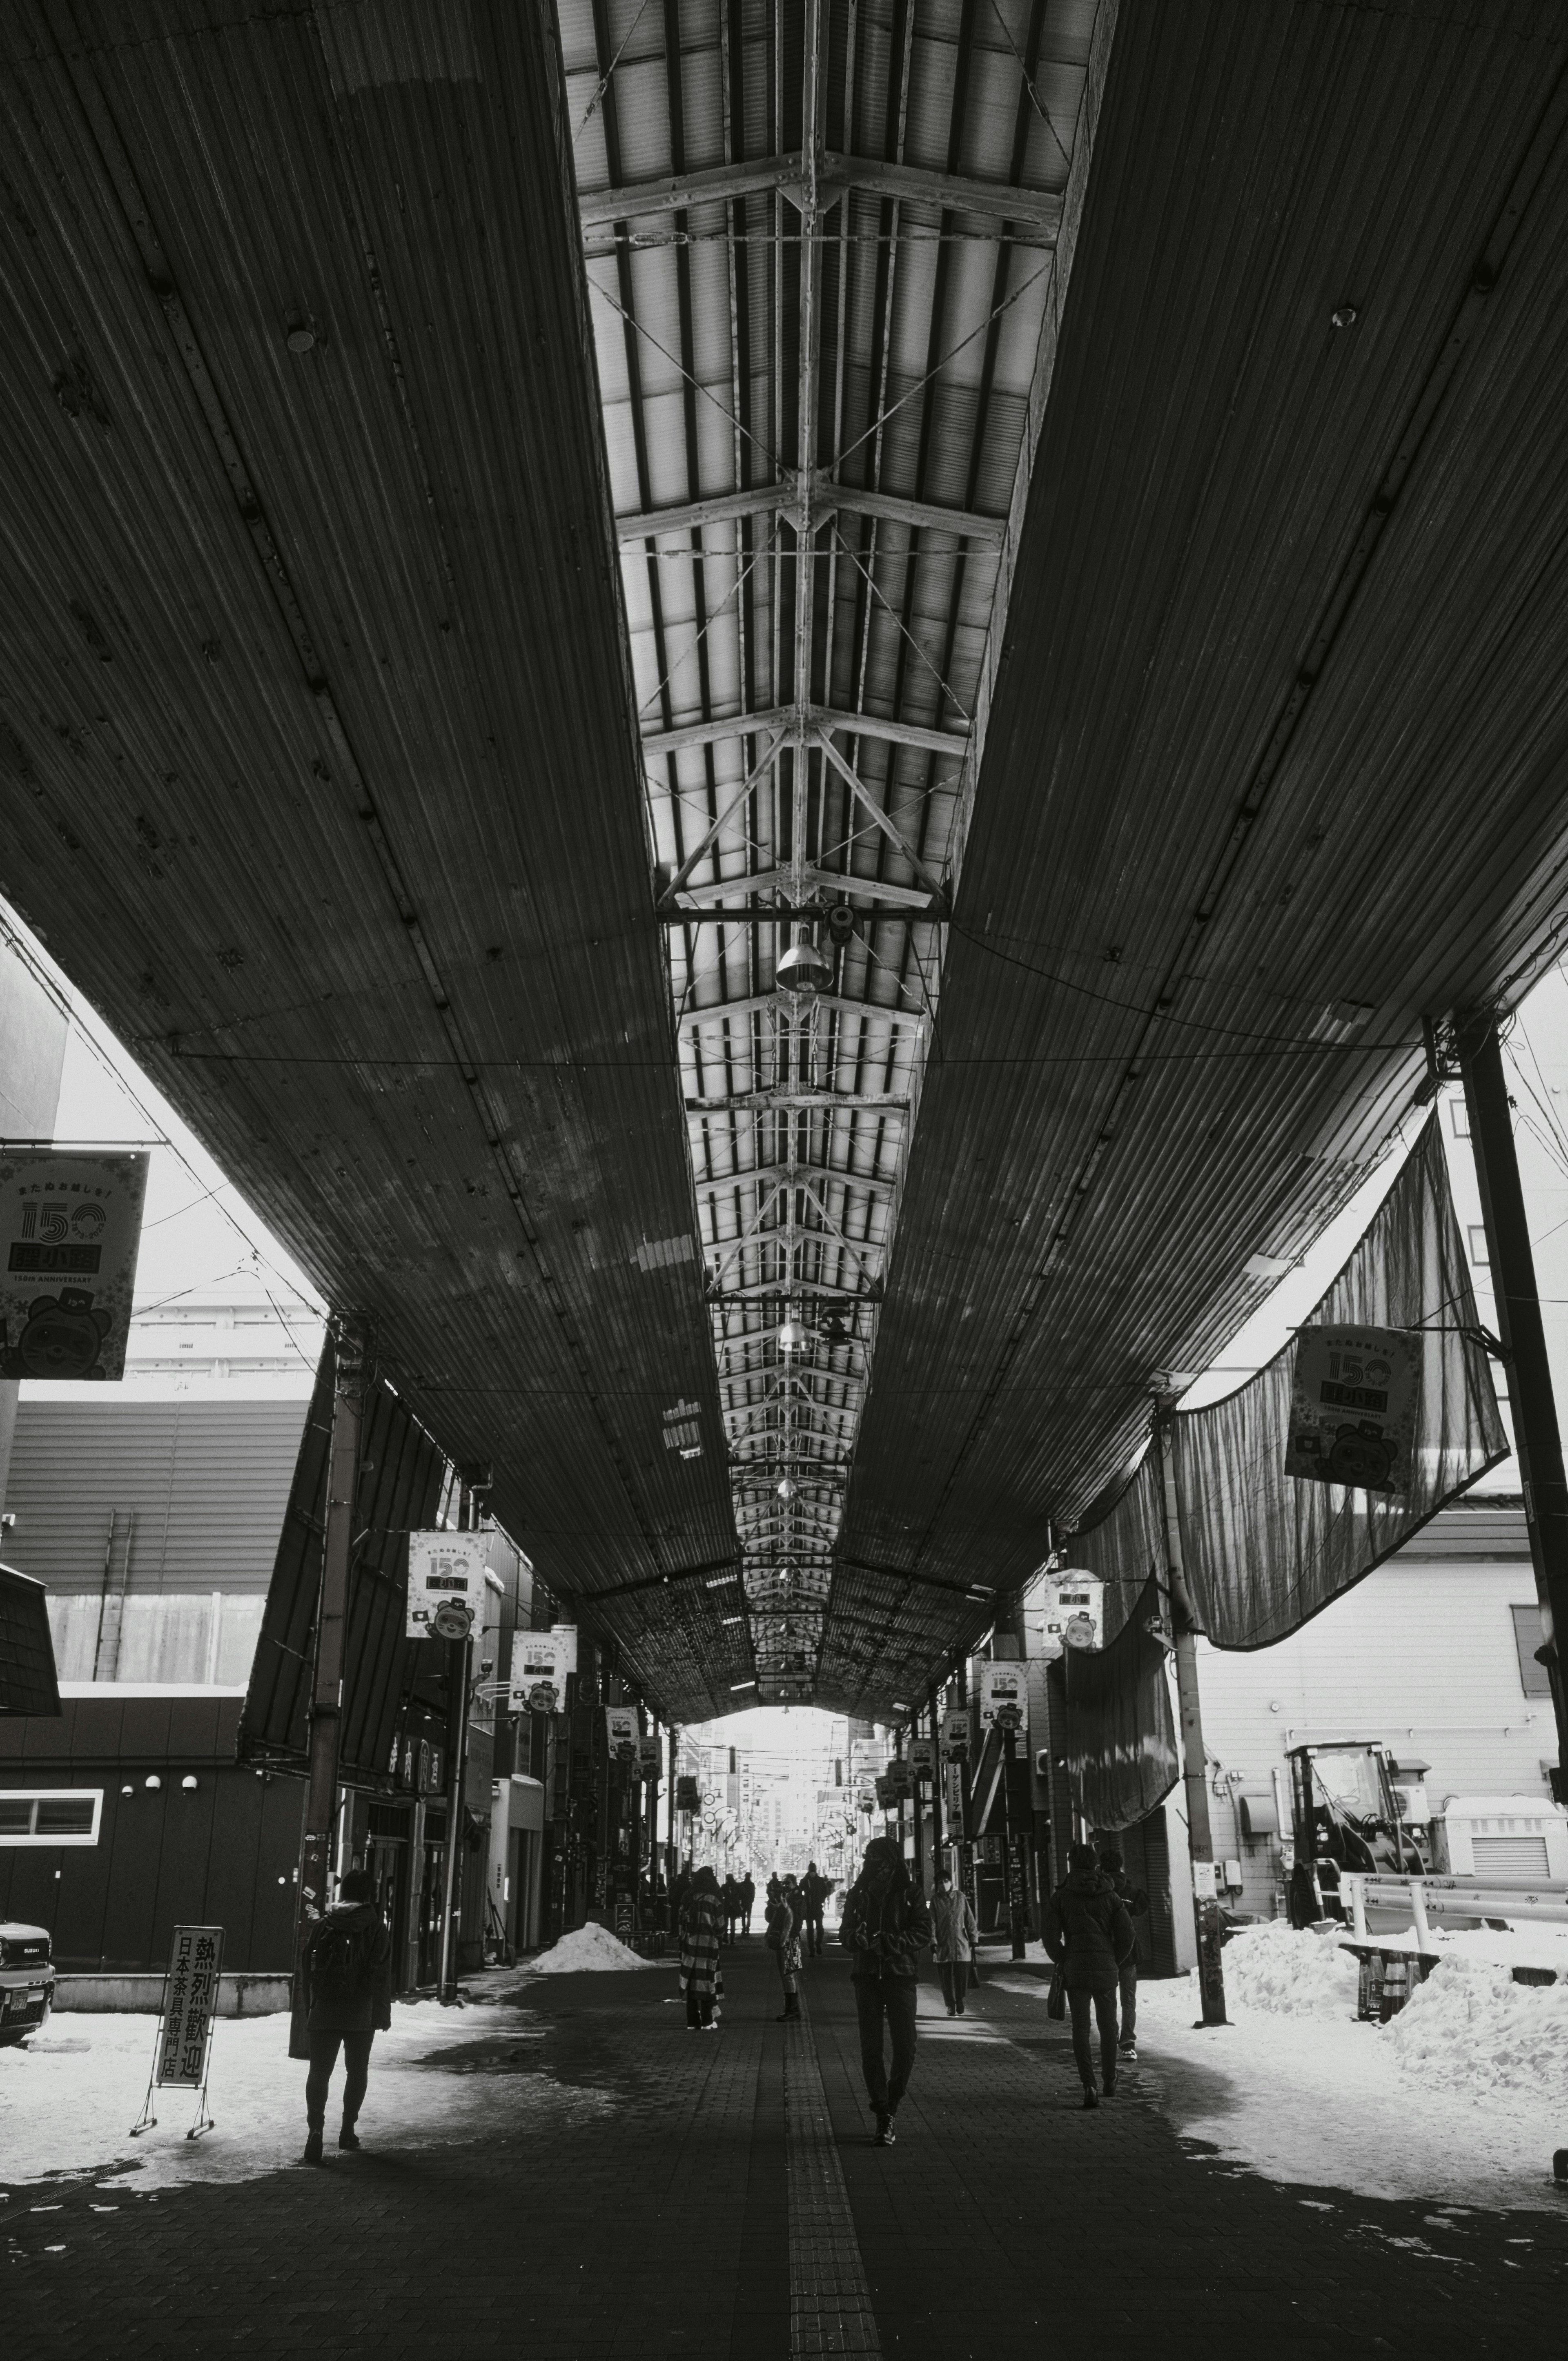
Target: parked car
[(26, 1980)]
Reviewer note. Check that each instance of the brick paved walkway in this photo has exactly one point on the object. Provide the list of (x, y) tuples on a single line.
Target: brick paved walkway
[(693, 2207)]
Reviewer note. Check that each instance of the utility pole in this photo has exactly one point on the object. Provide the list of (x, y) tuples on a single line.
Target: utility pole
[(1195, 1775), (457, 1658), (1537, 1437), (934, 1710), (351, 1341), (670, 1848)]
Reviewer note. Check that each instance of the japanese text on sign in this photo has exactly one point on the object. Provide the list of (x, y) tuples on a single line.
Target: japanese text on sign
[(189, 2004)]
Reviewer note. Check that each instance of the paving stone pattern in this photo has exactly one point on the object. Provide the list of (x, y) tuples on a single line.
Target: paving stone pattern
[(699, 2211)]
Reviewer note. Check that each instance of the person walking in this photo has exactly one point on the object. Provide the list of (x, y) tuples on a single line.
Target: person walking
[(885, 1926), (814, 1892), (1135, 1903), (954, 1933), (784, 1942), (348, 1986), (748, 1899), (774, 1888), (730, 1898), (1089, 1936), (699, 1923)]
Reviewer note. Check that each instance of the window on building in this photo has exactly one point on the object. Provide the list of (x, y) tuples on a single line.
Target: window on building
[(1528, 1636), (1478, 1254), (51, 1816), (1459, 1115)]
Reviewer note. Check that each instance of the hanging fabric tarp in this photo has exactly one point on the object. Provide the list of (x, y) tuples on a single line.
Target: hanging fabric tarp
[(1265, 1551), (1113, 1706)]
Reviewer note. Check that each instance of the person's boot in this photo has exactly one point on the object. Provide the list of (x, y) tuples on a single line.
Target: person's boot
[(312, 2154), (348, 2136), (1090, 2095), (884, 2133)]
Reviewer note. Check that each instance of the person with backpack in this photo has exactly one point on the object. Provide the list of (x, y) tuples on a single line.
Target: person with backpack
[(1135, 1903), (954, 1933), (885, 1925), (1089, 1937), (348, 1996), (784, 1941)]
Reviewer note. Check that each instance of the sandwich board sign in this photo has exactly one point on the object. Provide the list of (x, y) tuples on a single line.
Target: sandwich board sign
[(183, 2051), (1352, 1408), (446, 1584)]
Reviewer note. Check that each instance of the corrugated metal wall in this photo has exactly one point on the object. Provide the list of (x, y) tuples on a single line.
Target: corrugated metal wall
[(206, 1483)]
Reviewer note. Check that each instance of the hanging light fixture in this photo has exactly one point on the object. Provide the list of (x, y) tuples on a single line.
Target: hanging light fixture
[(786, 1488), (794, 1335), (803, 968)]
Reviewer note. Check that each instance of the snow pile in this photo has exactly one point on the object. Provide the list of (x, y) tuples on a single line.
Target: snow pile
[(591, 1947), (1470, 2028), (1288, 1973), (1541, 1943), (67, 2099)]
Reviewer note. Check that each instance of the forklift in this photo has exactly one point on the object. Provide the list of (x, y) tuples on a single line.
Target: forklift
[(1347, 1813)]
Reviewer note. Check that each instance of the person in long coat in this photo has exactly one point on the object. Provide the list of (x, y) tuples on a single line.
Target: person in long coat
[(699, 1926), (885, 1926), (784, 1941), (348, 1997), (953, 1935), (1090, 1937)]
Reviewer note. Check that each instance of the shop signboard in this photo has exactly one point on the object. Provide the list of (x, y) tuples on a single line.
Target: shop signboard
[(1352, 1408), (649, 1761), (537, 1686), (1004, 1695), (70, 1223), (621, 1733), (189, 2006), (898, 1777), (923, 1757), (446, 1584), (887, 1792), (956, 1734), (1074, 1613), (565, 1638)]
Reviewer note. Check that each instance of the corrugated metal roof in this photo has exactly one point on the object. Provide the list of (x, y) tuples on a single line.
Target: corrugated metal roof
[(319, 766)]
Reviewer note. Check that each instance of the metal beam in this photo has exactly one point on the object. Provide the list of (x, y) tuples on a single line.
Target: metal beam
[(862, 796), (755, 1004), (794, 1101), (782, 499), (1041, 209), (807, 724)]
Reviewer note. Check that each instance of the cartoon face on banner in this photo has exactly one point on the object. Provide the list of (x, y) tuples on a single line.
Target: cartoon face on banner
[(70, 1228), (956, 1734), (1352, 1408), (649, 1761), (1074, 1613), (620, 1731), (923, 1757), (536, 1683), (446, 1586), (1003, 1697)]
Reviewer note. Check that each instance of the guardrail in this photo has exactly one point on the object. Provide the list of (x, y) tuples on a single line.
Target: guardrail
[(1449, 1897)]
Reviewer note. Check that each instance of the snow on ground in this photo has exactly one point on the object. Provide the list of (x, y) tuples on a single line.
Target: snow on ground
[(591, 1947), (1462, 2099), (69, 2098)]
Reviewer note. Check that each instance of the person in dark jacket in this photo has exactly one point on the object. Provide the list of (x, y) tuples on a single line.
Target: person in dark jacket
[(1135, 1903), (1088, 1935), (748, 1899), (885, 1927), (813, 1891), (349, 1972), (784, 1942)]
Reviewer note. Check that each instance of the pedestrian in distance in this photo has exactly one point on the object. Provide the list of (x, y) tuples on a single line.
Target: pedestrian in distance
[(699, 1924), (1089, 1937), (885, 1927), (729, 1894), (348, 1969), (813, 1891), (954, 1933), (748, 1899), (784, 1941), (775, 1889), (1135, 1903)]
